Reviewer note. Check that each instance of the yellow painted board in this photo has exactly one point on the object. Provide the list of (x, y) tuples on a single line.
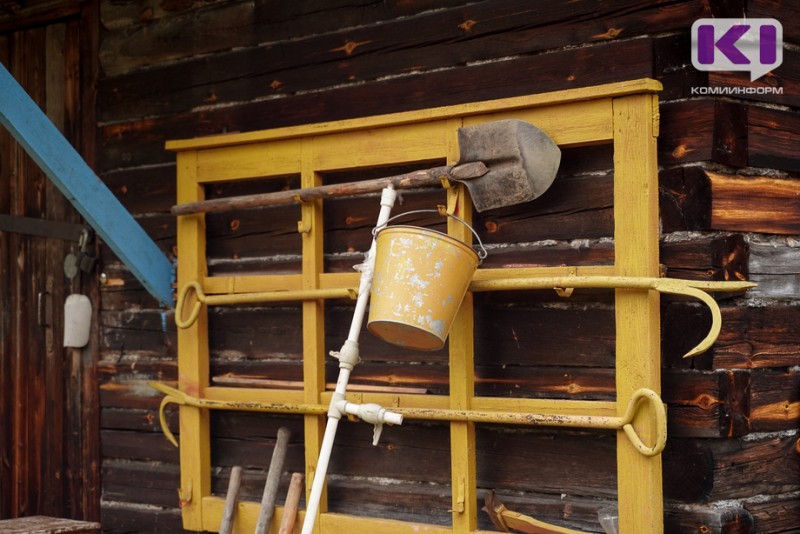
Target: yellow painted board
[(279, 158), (644, 85), (262, 395), (193, 356), (463, 463), (341, 524), (411, 143), (245, 517), (313, 319), (637, 311), (252, 283), (574, 124)]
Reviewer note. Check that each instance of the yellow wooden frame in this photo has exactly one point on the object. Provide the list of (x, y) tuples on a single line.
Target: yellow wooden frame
[(623, 114)]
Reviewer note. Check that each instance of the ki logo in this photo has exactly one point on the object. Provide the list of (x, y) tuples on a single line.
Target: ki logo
[(754, 45)]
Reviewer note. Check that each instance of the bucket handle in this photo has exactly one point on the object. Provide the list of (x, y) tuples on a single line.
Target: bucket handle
[(481, 254)]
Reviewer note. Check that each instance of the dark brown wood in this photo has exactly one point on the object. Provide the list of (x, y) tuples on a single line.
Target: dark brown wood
[(127, 518), (758, 337), (524, 75), (775, 404), (775, 515), (773, 138), (467, 35), (235, 24), (708, 405), (703, 130), (754, 203), (684, 199)]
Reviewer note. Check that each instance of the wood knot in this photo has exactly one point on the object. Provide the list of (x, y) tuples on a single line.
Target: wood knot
[(276, 84), (681, 151), (491, 226), (235, 224), (467, 25), (350, 46)]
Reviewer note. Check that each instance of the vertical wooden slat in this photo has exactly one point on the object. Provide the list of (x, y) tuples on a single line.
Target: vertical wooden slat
[(57, 385), (313, 319), (462, 371), (81, 88), (637, 312), (193, 352), (6, 300)]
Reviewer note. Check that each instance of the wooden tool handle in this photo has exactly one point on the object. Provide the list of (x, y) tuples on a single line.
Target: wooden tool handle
[(292, 501), (231, 498), (423, 178), (273, 479)]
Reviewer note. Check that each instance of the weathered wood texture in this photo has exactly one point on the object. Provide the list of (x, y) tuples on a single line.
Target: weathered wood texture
[(49, 412), (729, 166)]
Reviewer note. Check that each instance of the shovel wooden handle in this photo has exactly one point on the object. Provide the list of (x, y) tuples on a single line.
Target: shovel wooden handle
[(423, 178), (292, 502), (231, 499), (273, 479)]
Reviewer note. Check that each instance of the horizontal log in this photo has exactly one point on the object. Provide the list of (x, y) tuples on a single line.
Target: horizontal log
[(141, 482), (143, 190), (714, 518), (778, 513), (139, 446), (708, 405), (775, 269), (436, 39), (760, 337), (775, 404), (228, 25), (125, 518), (575, 67), (773, 138), (754, 204), (764, 465), (703, 130)]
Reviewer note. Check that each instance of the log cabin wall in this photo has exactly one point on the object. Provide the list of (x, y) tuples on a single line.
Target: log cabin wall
[(729, 170)]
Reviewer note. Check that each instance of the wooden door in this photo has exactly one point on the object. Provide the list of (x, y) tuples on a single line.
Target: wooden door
[(48, 417)]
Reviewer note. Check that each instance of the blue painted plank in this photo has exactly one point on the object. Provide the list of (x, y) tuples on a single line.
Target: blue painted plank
[(69, 172)]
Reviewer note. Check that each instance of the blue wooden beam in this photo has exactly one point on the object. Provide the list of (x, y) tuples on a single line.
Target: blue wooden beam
[(69, 172)]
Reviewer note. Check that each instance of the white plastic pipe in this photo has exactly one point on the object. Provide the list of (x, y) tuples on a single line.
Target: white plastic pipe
[(348, 358)]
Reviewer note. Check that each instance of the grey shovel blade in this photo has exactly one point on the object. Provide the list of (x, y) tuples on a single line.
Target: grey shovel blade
[(522, 161)]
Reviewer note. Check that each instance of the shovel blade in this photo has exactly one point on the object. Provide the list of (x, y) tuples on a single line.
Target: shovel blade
[(522, 161)]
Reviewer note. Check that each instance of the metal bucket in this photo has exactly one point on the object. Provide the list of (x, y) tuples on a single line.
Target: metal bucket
[(420, 279)]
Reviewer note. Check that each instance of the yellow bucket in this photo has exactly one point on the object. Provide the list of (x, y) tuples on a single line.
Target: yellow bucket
[(420, 279)]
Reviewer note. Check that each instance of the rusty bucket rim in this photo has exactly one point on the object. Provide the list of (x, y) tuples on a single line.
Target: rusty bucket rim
[(481, 255)]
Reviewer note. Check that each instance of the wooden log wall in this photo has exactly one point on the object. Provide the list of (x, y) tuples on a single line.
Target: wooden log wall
[(729, 169)]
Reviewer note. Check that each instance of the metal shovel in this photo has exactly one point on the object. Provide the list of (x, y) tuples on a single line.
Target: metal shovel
[(503, 163)]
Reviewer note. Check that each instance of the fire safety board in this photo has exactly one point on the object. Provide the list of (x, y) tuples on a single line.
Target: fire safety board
[(624, 115)]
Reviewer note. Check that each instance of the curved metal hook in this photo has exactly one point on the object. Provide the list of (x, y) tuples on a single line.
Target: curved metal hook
[(201, 297), (672, 286), (163, 418), (652, 398)]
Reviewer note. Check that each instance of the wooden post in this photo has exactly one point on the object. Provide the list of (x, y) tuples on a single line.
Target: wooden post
[(637, 311), (193, 354)]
